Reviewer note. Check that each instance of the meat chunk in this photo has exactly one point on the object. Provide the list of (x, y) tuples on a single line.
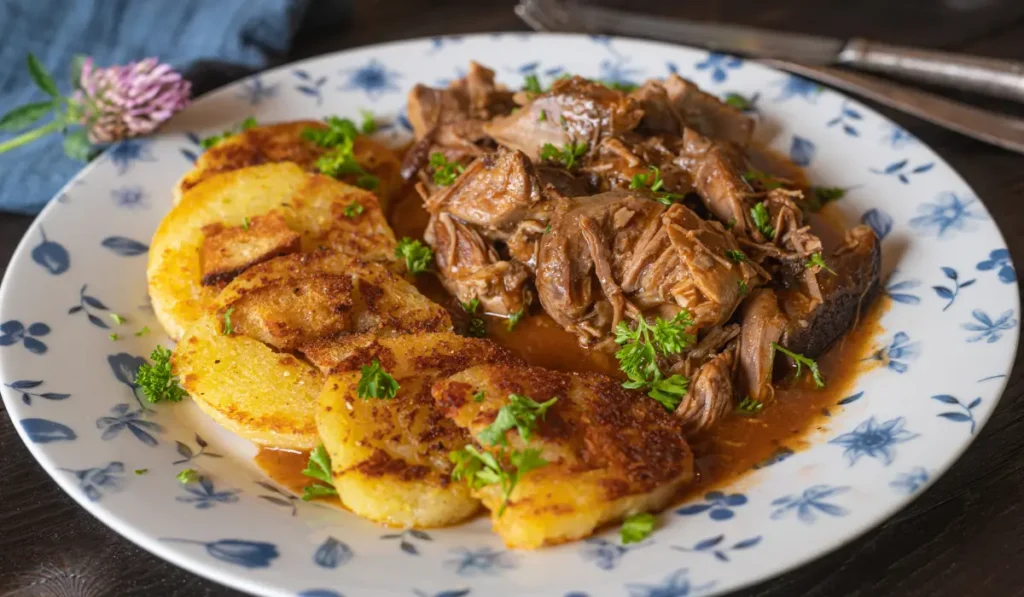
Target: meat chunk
[(496, 191), (709, 397), (471, 268), (610, 451), (675, 104), (575, 110), (619, 160), (229, 250), (717, 171), (814, 325), (762, 323)]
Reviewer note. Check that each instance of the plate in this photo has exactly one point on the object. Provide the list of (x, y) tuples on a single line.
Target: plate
[(948, 345)]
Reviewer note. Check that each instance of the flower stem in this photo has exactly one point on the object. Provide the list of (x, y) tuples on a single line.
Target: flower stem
[(31, 136)]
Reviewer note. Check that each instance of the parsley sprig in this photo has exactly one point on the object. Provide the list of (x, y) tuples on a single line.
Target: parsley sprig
[(375, 382), (739, 102), (480, 468), (339, 137), (531, 84), (762, 220), (638, 356), (189, 475), (764, 180), (445, 172), (156, 380), (653, 181), (319, 468), (521, 413), (801, 360), (637, 527), (515, 318), (214, 140), (477, 326), (736, 256), (749, 407), (566, 156), (417, 255), (816, 260)]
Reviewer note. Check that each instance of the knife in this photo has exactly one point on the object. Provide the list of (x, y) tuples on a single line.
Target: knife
[(990, 76)]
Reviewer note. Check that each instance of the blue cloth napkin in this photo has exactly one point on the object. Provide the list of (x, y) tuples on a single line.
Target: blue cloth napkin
[(215, 40)]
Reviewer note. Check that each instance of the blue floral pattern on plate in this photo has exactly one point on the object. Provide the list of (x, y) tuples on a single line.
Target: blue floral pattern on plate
[(73, 395)]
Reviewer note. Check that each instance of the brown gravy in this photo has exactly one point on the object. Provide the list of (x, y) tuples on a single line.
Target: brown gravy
[(733, 448)]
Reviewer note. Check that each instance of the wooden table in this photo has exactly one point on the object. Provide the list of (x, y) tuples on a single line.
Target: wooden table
[(964, 536)]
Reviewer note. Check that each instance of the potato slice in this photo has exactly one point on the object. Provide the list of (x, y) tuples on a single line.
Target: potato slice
[(611, 452), (310, 204), (282, 142), (390, 457)]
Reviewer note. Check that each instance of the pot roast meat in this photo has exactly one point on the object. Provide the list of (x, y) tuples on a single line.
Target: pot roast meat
[(496, 191), (470, 268), (675, 104), (761, 324), (717, 172), (710, 395), (574, 110), (814, 325)]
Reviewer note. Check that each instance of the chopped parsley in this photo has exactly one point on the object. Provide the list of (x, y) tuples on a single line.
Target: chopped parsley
[(513, 319), (749, 407), (189, 475), (117, 318), (531, 84), (739, 102), (828, 194), (369, 123), (566, 156), (142, 332), (479, 396), (141, 471), (417, 255), (762, 220), (638, 356), (731, 223), (339, 137), (113, 336), (445, 172), (816, 260), (744, 289), (736, 256), (477, 328), (353, 209), (543, 116), (228, 328), (653, 181), (471, 306), (547, 229), (623, 86), (637, 527), (213, 140), (245, 223), (522, 413), (156, 381), (763, 179), (481, 469), (319, 468), (374, 382), (801, 360)]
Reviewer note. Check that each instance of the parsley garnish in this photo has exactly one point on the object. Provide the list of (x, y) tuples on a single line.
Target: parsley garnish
[(189, 475), (353, 209), (565, 156), (624, 86), (245, 223), (319, 468), (339, 132), (636, 527), (743, 287), (543, 116), (117, 318), (141, 471), (762, 220), (417, 255), (522, 413), (228, 328), (738, 101), (653, 181), (142, 332), (213, 140), (514, 318), (477, 328), (156, 380), (638, 356), (732, 222), (445, 172), (374, 382), (748, 406), (765, 180), (479, 396), (113, 336), (339, 137), (480, 469), (736, 256), (819, 261), (369, 123), (801, 360), (531, 84), (471, 306), (828, 194), (547, 229)]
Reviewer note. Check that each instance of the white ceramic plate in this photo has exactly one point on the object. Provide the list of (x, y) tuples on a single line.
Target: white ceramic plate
[(950, 342)]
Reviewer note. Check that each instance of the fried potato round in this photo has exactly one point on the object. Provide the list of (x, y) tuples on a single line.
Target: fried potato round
[(389, 457), (282, 142), (220, 212), (237, 361)]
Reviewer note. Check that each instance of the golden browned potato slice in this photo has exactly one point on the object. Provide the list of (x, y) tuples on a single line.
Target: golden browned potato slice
[(390, 456), (312, 205), (229, 251), (611, 452), (245, 381), (282, 142)]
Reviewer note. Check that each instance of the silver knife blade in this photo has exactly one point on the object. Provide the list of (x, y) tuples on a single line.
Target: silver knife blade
[(733, 39)]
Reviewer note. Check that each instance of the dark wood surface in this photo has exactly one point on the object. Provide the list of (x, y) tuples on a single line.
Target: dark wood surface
[(963, 537)]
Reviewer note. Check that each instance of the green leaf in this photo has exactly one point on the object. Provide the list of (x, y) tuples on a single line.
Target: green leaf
[(637, 527), (41, 76), (375, 382), (77, 146), (23, 116)]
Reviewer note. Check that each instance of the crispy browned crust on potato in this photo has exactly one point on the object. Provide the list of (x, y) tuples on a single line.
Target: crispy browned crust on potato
[(229, 250)]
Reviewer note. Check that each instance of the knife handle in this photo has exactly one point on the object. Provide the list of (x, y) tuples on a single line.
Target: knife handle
[(989, 76)]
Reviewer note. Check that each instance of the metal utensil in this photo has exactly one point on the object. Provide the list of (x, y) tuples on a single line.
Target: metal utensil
[(989, 76), (997, 129)]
